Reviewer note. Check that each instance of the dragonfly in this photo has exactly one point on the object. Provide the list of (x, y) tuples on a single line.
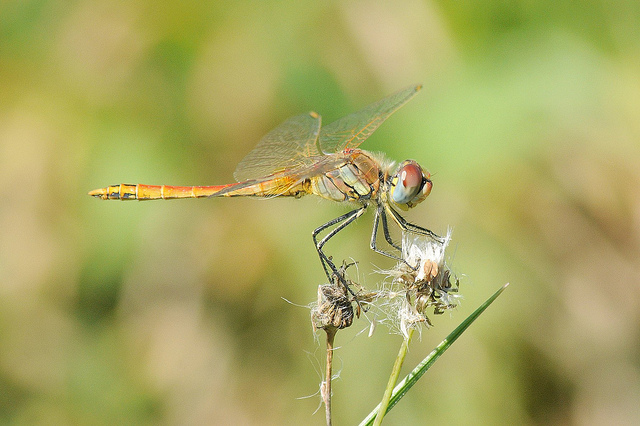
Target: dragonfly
[(301, 157)]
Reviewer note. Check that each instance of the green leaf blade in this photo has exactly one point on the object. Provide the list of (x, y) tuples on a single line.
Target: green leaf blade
[(407, 383)]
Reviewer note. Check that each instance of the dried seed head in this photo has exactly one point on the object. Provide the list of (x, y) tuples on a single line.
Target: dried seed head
[(334, 309), (425, 279)]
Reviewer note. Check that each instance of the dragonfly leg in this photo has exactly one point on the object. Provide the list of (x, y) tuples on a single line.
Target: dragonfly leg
[(413, 228), (341, 222), (380, 214), (385, 228), (404, 226), (374, 236)]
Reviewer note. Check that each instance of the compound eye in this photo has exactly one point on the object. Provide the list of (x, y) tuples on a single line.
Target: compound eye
[(409, 183)]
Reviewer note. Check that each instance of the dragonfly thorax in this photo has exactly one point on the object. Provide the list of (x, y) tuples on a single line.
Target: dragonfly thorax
[(354, 176)]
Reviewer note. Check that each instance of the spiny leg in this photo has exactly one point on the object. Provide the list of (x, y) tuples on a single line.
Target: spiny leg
[(342, 222), (385, 228), (374, 236), (380, 213), (413, 228), (346, 219), (404, 226)]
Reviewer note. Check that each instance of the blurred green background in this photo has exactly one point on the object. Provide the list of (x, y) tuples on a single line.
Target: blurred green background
[(171, 312)]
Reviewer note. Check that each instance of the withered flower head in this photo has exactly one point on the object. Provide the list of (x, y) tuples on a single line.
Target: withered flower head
[(425, 280), (334, 309), (336, 305)]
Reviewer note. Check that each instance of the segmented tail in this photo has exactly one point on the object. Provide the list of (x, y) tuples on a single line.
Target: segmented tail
[(251, 188), (155, 192)]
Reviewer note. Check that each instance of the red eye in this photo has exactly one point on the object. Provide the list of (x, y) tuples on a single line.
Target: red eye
[(411, 176), (409, 183)]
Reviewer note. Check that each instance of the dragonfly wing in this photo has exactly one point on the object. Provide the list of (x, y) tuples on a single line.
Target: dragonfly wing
[(352, 130), (288, 146)]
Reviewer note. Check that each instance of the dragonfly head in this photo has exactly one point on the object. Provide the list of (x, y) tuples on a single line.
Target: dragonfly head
[(410, 185)]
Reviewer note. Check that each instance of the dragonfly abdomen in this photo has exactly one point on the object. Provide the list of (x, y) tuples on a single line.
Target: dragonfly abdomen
[(268, 188), (141, 192)]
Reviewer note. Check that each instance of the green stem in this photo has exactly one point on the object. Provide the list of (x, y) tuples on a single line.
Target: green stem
[(411, 379), (393, 378)]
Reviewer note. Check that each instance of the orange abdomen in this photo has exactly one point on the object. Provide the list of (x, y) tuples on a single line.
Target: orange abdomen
[(269, 188)]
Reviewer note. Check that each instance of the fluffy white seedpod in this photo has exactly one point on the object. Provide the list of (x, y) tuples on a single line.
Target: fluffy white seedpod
[(425, 280)]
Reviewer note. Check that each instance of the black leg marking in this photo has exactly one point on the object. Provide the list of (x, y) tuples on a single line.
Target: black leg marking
[(374, 236), (413, 228), (341, 222), (385, 228), (404, 226)]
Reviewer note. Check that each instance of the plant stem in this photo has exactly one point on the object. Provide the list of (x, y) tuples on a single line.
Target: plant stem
[(393, 378), (326, 386), (407, 383)]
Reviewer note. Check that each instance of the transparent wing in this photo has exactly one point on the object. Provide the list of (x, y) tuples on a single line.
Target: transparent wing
[(288, 146), (352, 130)]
